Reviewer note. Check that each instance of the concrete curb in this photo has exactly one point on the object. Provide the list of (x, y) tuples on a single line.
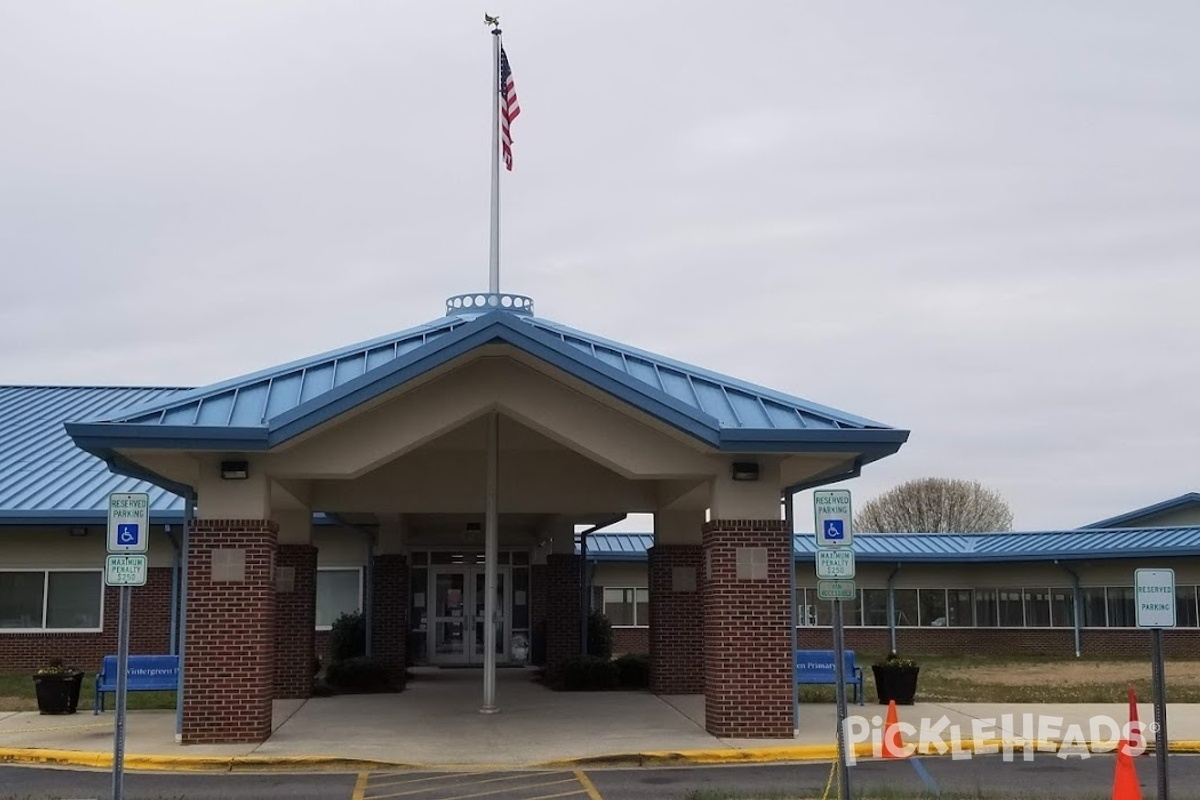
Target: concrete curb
[(649, 758), (148, 763)]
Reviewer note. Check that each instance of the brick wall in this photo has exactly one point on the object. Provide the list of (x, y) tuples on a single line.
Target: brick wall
[(538, 582), (562, 608), (149, 631), (676, 635), (631, 640), (295, 620), (321, 646), (747, 645), (229, 661), (1051, 642), (389, 621)]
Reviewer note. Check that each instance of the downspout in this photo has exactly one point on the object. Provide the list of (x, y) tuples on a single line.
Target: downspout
[(189, 514), (584, 600), (789, 516), (174, 592), (372, 538), (1077, 603), (891, 607)]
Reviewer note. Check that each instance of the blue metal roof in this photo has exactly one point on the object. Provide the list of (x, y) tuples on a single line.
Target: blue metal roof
[(619, 546), (1070, 545), (1184, 500), (44, 477), (261, 410)]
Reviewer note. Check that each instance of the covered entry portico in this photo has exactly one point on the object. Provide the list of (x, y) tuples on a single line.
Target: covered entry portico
[(488, 419)]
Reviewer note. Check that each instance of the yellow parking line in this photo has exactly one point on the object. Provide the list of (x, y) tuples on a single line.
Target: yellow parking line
[(551, 796), (472, 784), (442, 777), (360, 786), (588, 786), (521, 788)]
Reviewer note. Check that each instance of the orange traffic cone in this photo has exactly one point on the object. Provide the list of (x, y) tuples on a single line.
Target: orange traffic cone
[(1125, 779), (893, 737), (1136, 738)]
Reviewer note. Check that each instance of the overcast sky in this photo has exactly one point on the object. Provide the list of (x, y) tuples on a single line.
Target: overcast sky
[(979, 222)]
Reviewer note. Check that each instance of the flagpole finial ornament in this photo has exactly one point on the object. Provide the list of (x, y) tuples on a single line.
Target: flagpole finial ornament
[(488, 19)]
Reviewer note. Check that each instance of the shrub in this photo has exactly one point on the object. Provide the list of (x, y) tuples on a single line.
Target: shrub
[(600, 636), (633, 670), (589, 673), (358, 675), (348, 638)]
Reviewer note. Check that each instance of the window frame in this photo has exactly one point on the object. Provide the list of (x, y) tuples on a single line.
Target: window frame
[(634, 605), (361, 597), (46, 600)]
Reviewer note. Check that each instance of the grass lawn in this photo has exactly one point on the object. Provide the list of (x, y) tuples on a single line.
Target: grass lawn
[(17, 694), (1030, 679)]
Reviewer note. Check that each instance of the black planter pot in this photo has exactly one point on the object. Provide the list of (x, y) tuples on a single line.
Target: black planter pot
[(896, 683), (58, 694)]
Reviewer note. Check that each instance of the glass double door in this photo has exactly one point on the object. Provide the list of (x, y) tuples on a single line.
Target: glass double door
[(458, 618)]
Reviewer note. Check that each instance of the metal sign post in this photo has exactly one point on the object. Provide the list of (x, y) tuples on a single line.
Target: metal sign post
[(839, 655), (125, 566), (1155, 593), (835, 560), (122, 686)]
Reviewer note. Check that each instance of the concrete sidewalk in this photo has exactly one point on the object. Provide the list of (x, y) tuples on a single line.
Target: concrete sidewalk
[(435, 723)]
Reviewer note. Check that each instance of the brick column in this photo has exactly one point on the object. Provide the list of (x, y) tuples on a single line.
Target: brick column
[(747, 660), (229, 661), (389, 623), (562, 608), (295, 619), (539, 577), (676, 619)]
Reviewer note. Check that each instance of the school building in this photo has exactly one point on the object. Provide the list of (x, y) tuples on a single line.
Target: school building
[(440, 479)]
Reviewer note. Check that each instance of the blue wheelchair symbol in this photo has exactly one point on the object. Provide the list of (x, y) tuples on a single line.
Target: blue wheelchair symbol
[(835, 530), (127, 533)]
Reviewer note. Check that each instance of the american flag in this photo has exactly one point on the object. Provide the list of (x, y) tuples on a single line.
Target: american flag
[(509, 108)]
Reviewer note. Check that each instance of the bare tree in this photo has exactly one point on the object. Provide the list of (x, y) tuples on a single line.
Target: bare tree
[(936, 505)]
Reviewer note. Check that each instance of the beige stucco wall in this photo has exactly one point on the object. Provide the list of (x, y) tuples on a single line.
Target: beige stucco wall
[(965, 576), (339, 547), (43, 547)]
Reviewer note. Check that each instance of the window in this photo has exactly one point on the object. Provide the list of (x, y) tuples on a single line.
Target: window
[(906, 607), (627, 607), (811, 611), (1011, 613), (51, 600), (959, 607), (339, 591), (1185, 607), (875, 607), (1094, 607), (932, 604), (987, 608), (1037, 608), (1122, 610), (1062, 608)]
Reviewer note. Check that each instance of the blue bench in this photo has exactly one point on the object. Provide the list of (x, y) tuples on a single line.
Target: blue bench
[(145, 674), (817, 666)]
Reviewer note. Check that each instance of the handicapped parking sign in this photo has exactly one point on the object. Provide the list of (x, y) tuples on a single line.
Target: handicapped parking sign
[(833, 518), (128, 522)]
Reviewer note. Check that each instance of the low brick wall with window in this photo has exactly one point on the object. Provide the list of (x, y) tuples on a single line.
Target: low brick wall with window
[(149, 631), (871, 643)]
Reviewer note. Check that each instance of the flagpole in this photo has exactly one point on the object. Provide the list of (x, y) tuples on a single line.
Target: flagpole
[(494, 282)]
